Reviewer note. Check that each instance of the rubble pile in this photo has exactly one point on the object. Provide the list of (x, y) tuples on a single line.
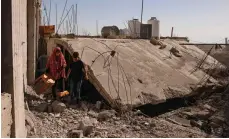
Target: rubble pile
[(208, 117)]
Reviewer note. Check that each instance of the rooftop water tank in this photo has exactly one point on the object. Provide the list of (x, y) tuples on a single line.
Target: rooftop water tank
[(134, 27), (155, 27)]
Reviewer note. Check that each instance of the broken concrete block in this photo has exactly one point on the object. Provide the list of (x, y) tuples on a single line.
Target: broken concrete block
[(153, 124), (42, 107), (87, 125), (137, 128), (202, 114), (92, 114), (214, 125), (196, 123), (26, 105), (217, 119), (146, 124), (175, 52), (88, 130), (104, 115), (208, 107), (58, 107), (83, 105), (98, 105), (189, 114), (75, 134), (154, 41), (29, 120), (97, 134), (179, 121), (163, 46)]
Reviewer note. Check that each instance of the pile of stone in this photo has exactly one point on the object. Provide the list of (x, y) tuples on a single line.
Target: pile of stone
[(56, 107)]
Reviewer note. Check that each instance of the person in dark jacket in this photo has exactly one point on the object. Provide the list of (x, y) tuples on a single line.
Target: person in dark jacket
[(77, 73)]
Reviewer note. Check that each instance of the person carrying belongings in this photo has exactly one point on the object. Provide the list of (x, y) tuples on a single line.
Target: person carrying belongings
[(56, 68), (77, 71)]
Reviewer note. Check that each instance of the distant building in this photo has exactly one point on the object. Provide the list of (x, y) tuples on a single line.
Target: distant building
[(146, 31), (134, 27), (124, 31), (110, 31), (155, 27)]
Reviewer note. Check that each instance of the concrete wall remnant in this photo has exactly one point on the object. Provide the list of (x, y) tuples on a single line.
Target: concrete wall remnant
[(14, 73), (6, 114)]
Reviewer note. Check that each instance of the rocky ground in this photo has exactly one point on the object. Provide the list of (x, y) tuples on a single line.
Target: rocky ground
[(208, 117)]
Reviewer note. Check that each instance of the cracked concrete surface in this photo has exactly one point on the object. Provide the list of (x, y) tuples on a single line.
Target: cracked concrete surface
[(148, 69)]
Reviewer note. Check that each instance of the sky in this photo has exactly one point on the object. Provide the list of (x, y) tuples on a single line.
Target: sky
[(200, 20)]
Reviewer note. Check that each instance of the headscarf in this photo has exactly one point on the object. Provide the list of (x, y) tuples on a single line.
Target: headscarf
[(56, 64)]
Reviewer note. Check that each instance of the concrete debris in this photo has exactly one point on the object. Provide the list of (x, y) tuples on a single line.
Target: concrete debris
[(217, 120), (179, 121), (202, 114), (26, 105), (163, 46), (196, 123), (87, 125), (175, 52), (42, 107), (93, 114), (208, 107), (75, 134), (154, 41), (98, 105), (137, 128), (104, 115), (58, 107), (83, 105), (199, 120), (214, 125), (29, 121)]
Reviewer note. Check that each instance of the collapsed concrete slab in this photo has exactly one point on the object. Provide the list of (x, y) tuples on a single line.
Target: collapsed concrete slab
[(137, 72)]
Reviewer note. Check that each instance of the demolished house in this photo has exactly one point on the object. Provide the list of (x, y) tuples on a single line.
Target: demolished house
[(110, 31), (135, 72)]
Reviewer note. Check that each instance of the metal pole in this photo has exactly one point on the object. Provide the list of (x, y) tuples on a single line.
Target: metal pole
[(172, 32), (50, 7), (63, 29), (226, 41), (97, 27), (141, 17), (142, 11), (76, 20), (44, 20), (38, 3), (56, 17), (73, 20), (67, 26)]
